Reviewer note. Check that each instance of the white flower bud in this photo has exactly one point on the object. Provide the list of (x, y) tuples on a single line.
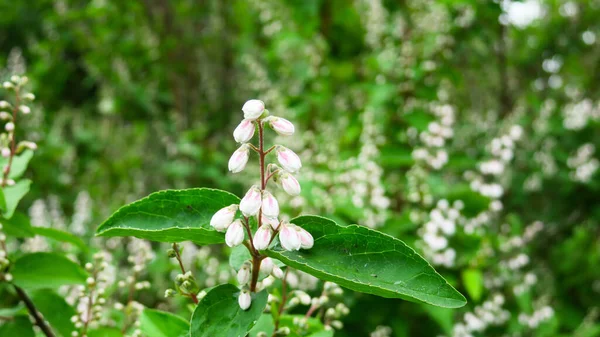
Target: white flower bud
[(266, 266), (25, 109), (5, 152), (235, 234), (4, 105), (303, 297), (306, 240), (223, 218), (10, 126), (288, 159), (281, 125), (253, 109), (273, 222), (8, 85), (244, 300), (262, 237), (244, 132), (289, 238), (251, 202), (277, 272), (289, 183), (29, 96), (239, 159), (270, 206), (243, 275)]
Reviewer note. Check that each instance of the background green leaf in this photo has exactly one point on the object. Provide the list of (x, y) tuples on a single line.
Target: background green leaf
[(19, 164), (59, 235), (473, 281), (368, 261), (55, 310), (14, 194), (17, 226), (46, 270), (20, 326), (155, 323)]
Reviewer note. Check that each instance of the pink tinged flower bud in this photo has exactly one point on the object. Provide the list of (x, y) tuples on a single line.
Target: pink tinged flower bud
[(251, 202), (289, 184), (273, 222), (223, 218), (306, 240), (266, 265), (243, 275), (5, 152), (262, 237), (10, 126), (253, 109), (239, 159), (289, 238), (277, 272), (244, 300), (288, 159), (282, 126), (235, 234), (270, 206), (244, 132)]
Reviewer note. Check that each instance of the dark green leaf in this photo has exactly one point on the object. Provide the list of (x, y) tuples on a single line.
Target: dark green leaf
[(219, 314), (14, 194), (155, 323), (17, 226), (368, 261), (59, 235), (20, 326), (171, 216), (55, 310), (46, 270)]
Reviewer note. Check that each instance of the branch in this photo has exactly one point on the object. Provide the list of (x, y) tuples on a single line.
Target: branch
[(39, 321)]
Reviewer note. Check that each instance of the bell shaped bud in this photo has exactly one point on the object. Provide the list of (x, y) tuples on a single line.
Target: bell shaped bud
[(10, 126), (303, 297), (235, 234), (262, 237), (243, 275), (239, 159), (288, 159), (281, 125), (270, 206), (244, 300), (289, 184), (251, 202), (277, 272), (244, 132), (5, 152), (289, 238), (253, 109), (273, 222), (306, 240), (223, 218), (266, 266)]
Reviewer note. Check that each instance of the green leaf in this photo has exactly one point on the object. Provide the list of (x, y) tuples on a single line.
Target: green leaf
[(10, 312), (239, 255), (219, 314), (313, 325), (55, 310), (20, 326), (264, 324), (13, 194), (17, 226), (155, 323), (171, 216), (105, 332), (365, 260), (324, 333), (473, 280), (59, 235), (46, 270), (19, 163)]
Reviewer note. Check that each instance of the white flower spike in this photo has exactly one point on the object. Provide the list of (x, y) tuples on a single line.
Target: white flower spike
[(281, 125), (289, 184), (262, 237), (251, 202), (270, 206), (244, 300), (289, 238), (223, 218), (253, 109), (244, 132), (288, 159), (235, 234), (239, 159)]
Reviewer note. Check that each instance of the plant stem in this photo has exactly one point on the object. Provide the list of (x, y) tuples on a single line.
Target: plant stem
[(12, 141), (178, 256), (256, 258), (39, 321)]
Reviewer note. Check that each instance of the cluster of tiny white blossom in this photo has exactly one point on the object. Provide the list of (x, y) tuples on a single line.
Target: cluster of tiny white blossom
[(489, 313), (577, 115), (537, 317), (381, 331), (583, 164), (443, 220), (259, 202), (435, 137)]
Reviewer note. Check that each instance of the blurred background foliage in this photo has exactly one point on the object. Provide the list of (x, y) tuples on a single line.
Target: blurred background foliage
[(138, 96)]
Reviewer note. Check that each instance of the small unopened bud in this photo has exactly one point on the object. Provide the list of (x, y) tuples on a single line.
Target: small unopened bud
[(170, 293), (5, 152), (201, 294), (294, 301), (4, 105), (243, 275), (262, 334), (223, 218), (171, 253), (283, 331), (273, 222), (266, 266), (29, 96), (270, 206), (262, 237), (281, 125), (303, 297), (8, 85), (10, 126), (289, 238), (253, 109), (89, 266), (337, 324), (25, 109), (288, 159), (330, 313), (306, 240), (8, 277), (25, 144), (277, 272), (235, 234), (239, 159), (289, 183), (244, 300), (251, 202), (244, 132), (5, 115)]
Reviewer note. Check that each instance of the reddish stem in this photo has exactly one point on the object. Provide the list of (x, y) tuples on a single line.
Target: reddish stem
[(178, 256)]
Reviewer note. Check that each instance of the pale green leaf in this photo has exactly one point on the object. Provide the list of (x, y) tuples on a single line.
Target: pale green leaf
[(59, 235), (155, 323), (13, 194), (46, 270), (473, 280)]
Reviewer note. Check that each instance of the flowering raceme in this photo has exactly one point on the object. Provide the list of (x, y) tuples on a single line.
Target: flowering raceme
[(260, 203)]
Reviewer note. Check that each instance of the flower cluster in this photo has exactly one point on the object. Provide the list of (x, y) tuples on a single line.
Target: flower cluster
[(259, 203), (583, 164), (442, 224), (490, 313), (435, 137)]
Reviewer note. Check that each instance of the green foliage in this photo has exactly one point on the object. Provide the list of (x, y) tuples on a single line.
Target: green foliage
[(20, 326), (12, 195), (46, 270), (55, 310), (156, 323)]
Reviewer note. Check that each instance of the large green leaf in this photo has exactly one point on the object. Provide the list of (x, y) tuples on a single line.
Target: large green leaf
[(46, 270), (155, 323), (17, 226), (55, 310), (219, 314), (12, 195), (368, 261), (20, 326), (19, 163), (59, 235), (171, 216)]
